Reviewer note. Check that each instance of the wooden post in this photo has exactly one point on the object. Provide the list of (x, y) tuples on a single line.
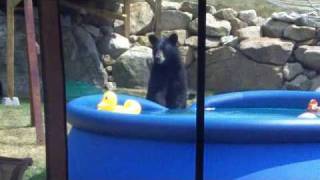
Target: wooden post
[(127, 18), (54, 90), (34, 79), (10, 48), (157, 23)]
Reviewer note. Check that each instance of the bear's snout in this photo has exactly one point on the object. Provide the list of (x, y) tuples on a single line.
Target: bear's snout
[(159, 57)]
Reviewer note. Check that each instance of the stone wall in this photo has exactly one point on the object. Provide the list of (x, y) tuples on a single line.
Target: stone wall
[(244, 51)]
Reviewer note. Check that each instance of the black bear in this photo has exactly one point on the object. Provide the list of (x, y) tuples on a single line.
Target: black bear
[(168, 78)]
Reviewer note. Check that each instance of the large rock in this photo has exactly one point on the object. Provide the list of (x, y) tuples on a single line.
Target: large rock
[(175, 19), (267, 50), (249, 32), (229, 41), (114, 45), (248, 16), (141, 19), (286, 17), (309, 56), (291, 70), (168, 5), (143, 41), (259, 21), (310, 73), (132, 68), (299, 33), (273, 28), (141, 16), (228, 70), (214, 28), (226, 14), (299, 83), (192, 7), (210, 42), (83, 63), (236, 24), (308, 20), (316, 84), (186, 53)]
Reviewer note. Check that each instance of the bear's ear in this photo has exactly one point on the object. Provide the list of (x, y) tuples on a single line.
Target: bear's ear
[(173, 39), (153, 39)]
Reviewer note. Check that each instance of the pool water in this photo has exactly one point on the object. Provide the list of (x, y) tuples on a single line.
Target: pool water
[(241, 113)]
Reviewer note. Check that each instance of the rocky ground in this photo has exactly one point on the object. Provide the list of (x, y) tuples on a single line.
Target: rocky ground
[(244, 50)]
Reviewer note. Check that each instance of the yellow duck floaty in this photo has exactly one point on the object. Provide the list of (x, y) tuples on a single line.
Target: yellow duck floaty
[(109, 102)]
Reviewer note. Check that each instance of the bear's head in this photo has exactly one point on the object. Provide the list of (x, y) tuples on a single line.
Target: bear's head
[(165, 49)]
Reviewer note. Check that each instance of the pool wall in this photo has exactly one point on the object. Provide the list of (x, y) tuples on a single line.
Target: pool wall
[(105, 145)]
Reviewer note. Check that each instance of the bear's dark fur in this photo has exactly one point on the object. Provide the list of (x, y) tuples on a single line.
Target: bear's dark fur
[(168, 78)]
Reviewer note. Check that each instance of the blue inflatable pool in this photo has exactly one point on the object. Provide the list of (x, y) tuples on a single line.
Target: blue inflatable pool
[(250, 135)]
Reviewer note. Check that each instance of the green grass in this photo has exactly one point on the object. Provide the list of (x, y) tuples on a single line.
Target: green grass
[(263, 8), (17, 139)]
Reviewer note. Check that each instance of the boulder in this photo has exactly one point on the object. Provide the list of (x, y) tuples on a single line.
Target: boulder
[(114, 45), (210, 42), (267, 50), (141, 16), (236, 24), (249, 32), (309, 56), (226, 14), (211, 9), (259, 21), (229, 41), (86, 65), (186, 53), (144, 41), (193, 26), (301, 82), (292, 70), (310, 73), (286, 16), (182, 35), (132, 68), (248, 16), (315, 83), (214, 28), (228, 70), (192, 7), (168, 5), (299, 33), (192, 41), (273, 28), (175, 19), (310, 42), (308, 20)]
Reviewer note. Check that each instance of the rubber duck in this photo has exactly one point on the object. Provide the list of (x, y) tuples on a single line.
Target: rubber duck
[(313, 106), (313, 110), (109, 102)]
